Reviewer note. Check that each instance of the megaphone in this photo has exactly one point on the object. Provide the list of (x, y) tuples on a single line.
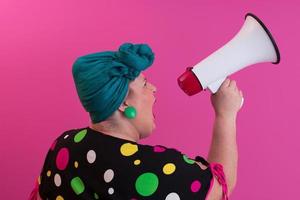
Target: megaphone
[(252, 44)]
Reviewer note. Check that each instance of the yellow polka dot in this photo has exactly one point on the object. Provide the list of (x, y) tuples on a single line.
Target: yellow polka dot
[(169, 168), (48, 173), (39, 180), (59, 197), (76, 164), (128, 149), (137, 162)]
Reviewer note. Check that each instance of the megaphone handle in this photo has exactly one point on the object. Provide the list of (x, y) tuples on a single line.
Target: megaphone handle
[(213, 87)]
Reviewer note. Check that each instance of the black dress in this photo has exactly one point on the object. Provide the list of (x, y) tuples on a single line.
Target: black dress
[(87, 164)]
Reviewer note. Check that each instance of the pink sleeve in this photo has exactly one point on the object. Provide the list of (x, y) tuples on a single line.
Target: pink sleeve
[(34, 195)]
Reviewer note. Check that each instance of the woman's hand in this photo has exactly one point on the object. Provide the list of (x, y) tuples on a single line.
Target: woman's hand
[(227, 100)]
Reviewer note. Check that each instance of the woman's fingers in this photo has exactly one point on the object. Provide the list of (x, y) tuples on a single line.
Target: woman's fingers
[(232, 84), (226, 82)]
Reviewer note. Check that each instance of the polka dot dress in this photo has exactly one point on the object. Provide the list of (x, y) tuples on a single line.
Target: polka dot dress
[(87, 164)]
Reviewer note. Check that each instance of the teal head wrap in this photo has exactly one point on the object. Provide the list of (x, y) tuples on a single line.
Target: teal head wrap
[(102, 78)]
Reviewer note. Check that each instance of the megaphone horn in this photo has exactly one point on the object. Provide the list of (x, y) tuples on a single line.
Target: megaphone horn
[(252, 44)]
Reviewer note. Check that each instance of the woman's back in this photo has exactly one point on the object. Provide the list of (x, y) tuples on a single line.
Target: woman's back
[(86, 164)]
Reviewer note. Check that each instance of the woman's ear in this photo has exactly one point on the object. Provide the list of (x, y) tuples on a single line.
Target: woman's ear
[(123, 106)]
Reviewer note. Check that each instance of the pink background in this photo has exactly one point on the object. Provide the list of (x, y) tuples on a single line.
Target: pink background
[(39, 42)]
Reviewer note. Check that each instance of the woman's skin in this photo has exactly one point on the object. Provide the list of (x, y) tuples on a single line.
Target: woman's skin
[(226, 103)]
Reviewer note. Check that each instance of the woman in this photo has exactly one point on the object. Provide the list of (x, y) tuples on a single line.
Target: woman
[(105, 161)]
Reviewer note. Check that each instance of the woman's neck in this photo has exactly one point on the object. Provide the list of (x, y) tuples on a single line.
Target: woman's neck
[(120, 130)]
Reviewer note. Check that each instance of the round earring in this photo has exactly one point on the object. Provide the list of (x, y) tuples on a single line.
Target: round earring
[(130, 112)]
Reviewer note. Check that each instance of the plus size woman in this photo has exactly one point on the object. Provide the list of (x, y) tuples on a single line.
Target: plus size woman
[(104, 160)]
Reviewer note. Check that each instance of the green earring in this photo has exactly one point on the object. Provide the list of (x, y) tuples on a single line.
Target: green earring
[(130, 112)]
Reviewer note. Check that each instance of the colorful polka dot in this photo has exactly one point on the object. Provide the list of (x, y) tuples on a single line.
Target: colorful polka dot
[(158, 149), (48, 173), (128, 149), (80, 135), (91, 156), (77, 185), (39, 180), (57, 180), (96, 196), (62, 158), (111, 191), (146, 184), (188, 160), (108, 175), (195, 186), (137, 162), (172, 196), (76, 164), (59, 198), (169, 168)]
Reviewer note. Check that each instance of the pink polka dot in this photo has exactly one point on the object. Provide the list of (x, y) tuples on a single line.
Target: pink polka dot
[(53, 145), (158, 149), (196, 185), (62, 159)]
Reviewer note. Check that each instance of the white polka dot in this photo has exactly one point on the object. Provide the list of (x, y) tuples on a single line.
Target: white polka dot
[(173, 196), (57, 180), (91, 156), (66, 136), (110, 190), (108, 175)]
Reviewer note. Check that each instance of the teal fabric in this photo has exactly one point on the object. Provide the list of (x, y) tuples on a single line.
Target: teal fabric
[(102, 78)]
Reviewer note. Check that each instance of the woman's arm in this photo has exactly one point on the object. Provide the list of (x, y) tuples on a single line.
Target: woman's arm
[(223, 150)]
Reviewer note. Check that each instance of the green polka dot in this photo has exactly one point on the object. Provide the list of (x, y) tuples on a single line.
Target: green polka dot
[(80, 135), (187, 160), (96, 196), (146, 184), (77, 185)]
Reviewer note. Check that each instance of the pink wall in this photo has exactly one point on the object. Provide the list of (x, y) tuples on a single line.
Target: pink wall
[(39, 42)]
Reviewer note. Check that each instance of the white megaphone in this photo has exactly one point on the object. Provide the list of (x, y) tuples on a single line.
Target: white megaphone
[(252, 44)]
